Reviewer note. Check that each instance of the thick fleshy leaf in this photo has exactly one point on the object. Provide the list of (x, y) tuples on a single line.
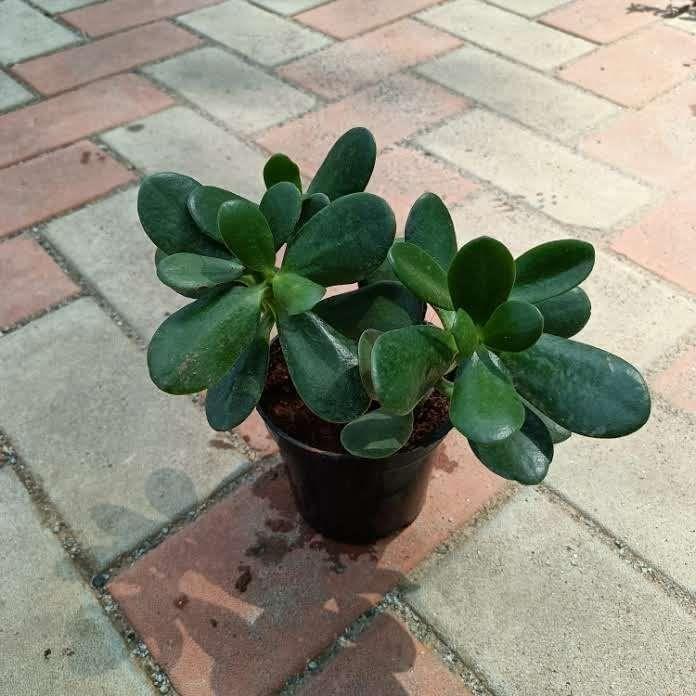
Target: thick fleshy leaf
[(557, 433), (199, 343), (480, 277), (165, 217), (484, 408), (566, 314), (383, 272), (430, 227), (584, 389), (420, 273), (344, 242), (365, 345), (323, 365), (348, 166), (204, 203), (465, 333), (295, 294), (383, 306), (247, 234), (513, 326), (281, 168), (552, 268), (525, 456), (377, 434), (311, 205), (407, 363), (230, 401), (190, 273), (159, 256), (281, 206)]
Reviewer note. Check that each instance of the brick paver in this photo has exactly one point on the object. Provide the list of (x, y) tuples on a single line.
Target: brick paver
[(30, 280), (76, 66), (255, 433), (347, 66), (12, 93), (678, 382), (52, 183)]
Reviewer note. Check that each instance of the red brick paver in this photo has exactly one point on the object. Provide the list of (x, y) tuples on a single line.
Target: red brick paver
[(30, 281), (53, 183), (239, 600), (76, 66), (345, 67), (392, 110), (74, 115), (678, 382), (254, 432), (634, 70), (386, 660)]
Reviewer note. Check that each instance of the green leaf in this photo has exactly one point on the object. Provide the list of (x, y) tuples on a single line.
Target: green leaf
[(384, 306), (348, 166), (365, 345), (377, 434), (311, 205), (230, 401), (481, 277), (159, 256), (552, 268), (513, 326), (281, 168), (204, 203), (247, 234), (165, 218), (190, 274), (557, 433), (323, 365), (484, 408), (199, 343), (420, 273), (525, 456), (383, 272), (407, 363), (430, 227), (566, 314), (465, 334), (295, 294), (584, 389), (344, 242), (281, 206)]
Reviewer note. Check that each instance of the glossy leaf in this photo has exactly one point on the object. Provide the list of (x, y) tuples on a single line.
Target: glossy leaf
[(584, 389), (295, 294), (525, 456), (344, 242), (430, 227), (204, 204), (281, 206), (407, 363), (552, 268), (323, 365), (365, 345), (348, 165), (465, 334), (566, 314), (513, 326), (311, 205), (383, 272), (199, 343), (190, 274), (484, 408), (377, 434), (557, 433), (159, 256), (281, 168), (247, 235), (480, 277), (384, 306), (420, 273), (230, 401)]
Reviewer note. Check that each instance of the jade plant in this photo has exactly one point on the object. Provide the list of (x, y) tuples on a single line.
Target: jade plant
[(499, 350)]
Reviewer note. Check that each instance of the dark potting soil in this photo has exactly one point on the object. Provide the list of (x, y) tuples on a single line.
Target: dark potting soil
[(291, 415)]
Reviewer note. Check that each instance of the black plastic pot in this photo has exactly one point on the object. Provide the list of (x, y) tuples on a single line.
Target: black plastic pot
[(356, 500)]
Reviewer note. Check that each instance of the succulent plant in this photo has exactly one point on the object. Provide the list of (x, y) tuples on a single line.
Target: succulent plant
[(368, 357)]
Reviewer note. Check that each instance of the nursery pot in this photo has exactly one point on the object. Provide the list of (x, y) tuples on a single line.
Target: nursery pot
[(352, 499)]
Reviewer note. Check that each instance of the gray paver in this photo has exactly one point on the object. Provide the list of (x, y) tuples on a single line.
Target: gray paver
[(180, 140), (507, 33), (539, 606), (289, 7), (548, 175), (27, 32), (45, 606), (529, 8), (56, 6), (117, 457), (262, 36), (241, 95), (12, 93), (539, 101)]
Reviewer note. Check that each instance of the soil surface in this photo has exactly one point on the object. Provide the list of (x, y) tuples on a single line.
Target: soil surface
[(285, 408)]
